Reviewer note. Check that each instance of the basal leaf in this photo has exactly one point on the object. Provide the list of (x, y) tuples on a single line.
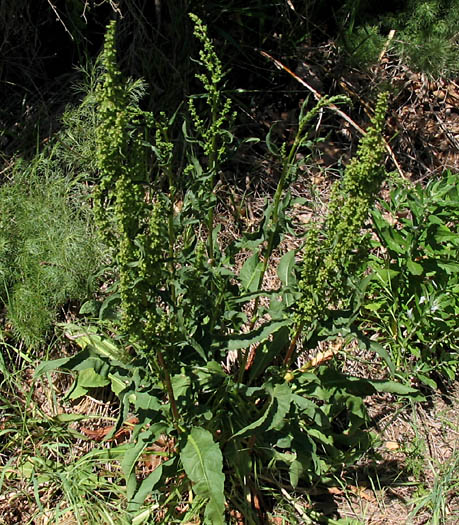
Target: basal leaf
[(203, 463), (132, 454), (85, 338), (260, 424), (266, 352), (279, 405), (89, 378), (51, 366), (117, 384), (145, 489), (146, 402), (76, 391), (250, 273)]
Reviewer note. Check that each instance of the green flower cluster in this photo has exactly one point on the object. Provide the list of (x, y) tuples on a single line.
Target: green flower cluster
[(214, 136), (127, 218), (111, 132), (329, 259)]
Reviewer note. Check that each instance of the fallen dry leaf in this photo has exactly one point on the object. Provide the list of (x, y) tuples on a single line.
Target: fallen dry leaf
[(100, 433), (363, 493)]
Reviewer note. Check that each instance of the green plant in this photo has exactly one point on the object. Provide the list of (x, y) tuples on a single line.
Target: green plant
[(48, 248), (426, 36), (329, 263), (43, 476), (412, 293), (429, 36), (182, 310), (445, 485)]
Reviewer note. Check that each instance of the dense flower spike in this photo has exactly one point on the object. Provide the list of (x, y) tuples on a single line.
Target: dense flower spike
[(126, 219), (327, 264)]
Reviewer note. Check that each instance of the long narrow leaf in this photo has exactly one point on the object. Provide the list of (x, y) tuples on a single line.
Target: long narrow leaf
[(256, 336), (203, 463)]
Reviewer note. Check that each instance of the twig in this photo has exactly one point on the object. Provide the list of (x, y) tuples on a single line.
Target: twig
[(53, 7), (335, 108)]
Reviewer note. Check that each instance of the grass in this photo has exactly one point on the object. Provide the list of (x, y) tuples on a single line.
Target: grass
[(415, 480), (50, 472)]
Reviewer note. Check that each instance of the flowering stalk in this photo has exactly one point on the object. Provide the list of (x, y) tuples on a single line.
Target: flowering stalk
[(328, 264)]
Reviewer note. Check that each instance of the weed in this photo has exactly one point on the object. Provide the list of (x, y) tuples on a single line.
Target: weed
[(444, 486), (182, 310), (48, 249), (425, 34), (412, 292)]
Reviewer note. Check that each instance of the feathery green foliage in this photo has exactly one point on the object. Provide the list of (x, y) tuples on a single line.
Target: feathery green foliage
[(426, 34), (48, 248)]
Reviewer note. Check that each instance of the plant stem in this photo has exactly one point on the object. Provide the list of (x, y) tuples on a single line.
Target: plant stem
[(213, 168), (275, 217), (291, 349), (170, 391)]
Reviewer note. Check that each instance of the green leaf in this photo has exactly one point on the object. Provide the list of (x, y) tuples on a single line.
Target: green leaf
[(89, 378), (281, 397), (132, 455), (285, 268), (256, 336), (386, 275), (444, 234), (383, 354), (394, 241), (373, 307), (451, 268), (51, 366), (145, 489), (181, 384), (250, 273), (265, 353), (100, 345), (203, 463), (427, 381), (393, 387), (295, 470), (117, 384), (414, 268), (76, 391), (146, 402), (272, 148)]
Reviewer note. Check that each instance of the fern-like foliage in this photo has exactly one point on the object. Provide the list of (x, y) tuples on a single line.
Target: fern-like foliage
[(48, 249), (426, 34)]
